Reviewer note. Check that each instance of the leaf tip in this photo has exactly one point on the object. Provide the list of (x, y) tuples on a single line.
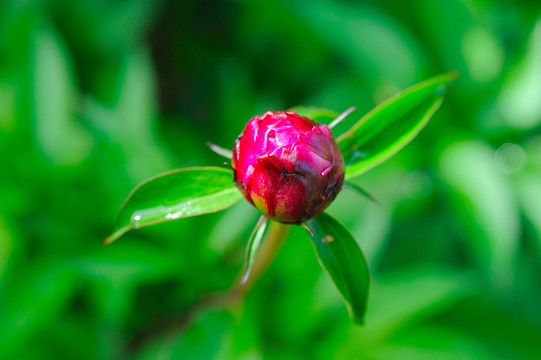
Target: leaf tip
[(341, 117), (454, 74), (245, 276), (361, 191), (220, 150), (115, 235), (108, 240), (451, 77), (358, 320)]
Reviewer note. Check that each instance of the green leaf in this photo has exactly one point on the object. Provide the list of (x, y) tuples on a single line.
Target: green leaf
[(485, 208), (320, 115), (208, 336), (253, 245), (174, 195), (391, 125), (362, 191), (341, 257), (39, 296), (58, 132)]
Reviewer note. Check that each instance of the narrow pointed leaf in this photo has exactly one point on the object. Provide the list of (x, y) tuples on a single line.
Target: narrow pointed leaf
[(220, 150), (174, 195), (362, 191), (341, 117), (253, 245), (340, 255), (392, 125)]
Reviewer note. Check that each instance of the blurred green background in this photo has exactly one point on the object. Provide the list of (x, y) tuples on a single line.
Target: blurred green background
[(96, 96)]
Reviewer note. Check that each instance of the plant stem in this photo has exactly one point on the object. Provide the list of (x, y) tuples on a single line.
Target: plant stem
[(233, 298)]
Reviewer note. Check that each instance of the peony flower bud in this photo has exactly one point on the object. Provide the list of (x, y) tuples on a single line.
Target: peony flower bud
[(288, 166)]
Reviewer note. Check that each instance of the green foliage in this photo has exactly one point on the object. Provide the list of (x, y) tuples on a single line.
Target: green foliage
[(253, 245), (97, 96), (175, 195), (340, 255), (391, 125)]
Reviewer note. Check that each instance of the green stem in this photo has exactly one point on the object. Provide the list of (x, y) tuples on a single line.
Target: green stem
[(234, 298)]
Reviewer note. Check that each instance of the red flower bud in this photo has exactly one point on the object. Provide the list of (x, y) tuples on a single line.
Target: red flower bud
[(288, 166)]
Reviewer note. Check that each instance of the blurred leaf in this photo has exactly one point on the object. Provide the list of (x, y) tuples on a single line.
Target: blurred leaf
[(7, 107), (207, 337), (135, 117), (135, 98), (127, 264), (341, 257), (371, 40), (232, 226), (483, 53), (320, 115), (237, 95), (60, 136), (445, 26), (294, 306), (529, 191), (485, 205), (133, 17), (402, 299), (110, 27), (410, 294), (33, 303), (65, 339), (392, 125), (434, 342), (518, 102), (6, 245), (174, 195)]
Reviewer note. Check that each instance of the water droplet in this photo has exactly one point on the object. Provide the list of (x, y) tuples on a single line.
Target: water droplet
[(326, 171), (137, 218), (510, 158), (174, 215)]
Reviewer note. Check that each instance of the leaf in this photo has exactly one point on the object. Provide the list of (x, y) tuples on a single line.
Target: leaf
[(174, 195), (134, 116), (485, 208), (391, 125), (39, 296), (355, 31), (341, 257), (58, 132), (208, 336), (412, 294), (362, 191), (220, 150), (320, 115), (253, 245), (517, 101)]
